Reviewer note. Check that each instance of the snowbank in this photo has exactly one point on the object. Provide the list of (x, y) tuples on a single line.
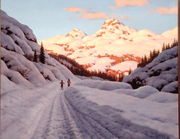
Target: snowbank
[(141, 92), (104, 85)]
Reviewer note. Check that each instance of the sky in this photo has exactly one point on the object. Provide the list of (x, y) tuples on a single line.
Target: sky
[(48, 18)]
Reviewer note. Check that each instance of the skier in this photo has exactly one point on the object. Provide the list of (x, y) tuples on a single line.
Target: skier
[(69, 82), (62, 83)]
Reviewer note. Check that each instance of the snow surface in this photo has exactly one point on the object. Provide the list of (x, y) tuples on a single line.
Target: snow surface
[(86, 112), (125, 66), (104, 85), (161, 73), (143, 106)]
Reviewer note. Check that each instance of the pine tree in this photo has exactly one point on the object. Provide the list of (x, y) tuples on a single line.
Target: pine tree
[(145, 60), (35, 57), (42, 55), (164, 47), (129, 72)]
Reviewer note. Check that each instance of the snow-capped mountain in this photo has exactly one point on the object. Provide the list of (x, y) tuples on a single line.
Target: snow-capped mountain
[(112, 47), (161, 73), (114, 29), (18, 45)]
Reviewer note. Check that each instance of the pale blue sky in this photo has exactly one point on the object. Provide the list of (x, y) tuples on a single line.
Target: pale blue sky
[(48, 18)]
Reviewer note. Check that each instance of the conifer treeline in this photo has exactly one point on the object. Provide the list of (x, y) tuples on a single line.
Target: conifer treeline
[(153, 54), (78, 69), (41, 56)]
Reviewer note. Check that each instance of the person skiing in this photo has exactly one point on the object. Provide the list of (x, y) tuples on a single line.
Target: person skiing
[(68, 82), (62, 84)]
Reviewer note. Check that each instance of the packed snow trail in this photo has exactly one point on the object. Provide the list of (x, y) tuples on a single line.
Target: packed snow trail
[(57, 122), (53, 114)]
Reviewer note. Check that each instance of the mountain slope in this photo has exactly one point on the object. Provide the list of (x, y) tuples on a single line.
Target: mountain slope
[(170, 33), (113, 41), (161, 73), (18, 45)]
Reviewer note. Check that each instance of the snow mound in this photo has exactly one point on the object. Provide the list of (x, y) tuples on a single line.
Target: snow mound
[(163, 97), (142, 92), (161, 73), (104, 85), (145, 91), (172, 87), (18, 45), (7, 85)]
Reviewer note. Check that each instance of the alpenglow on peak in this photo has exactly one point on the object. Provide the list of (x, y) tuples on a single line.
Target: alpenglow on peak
[(76, 33), (112, 22)]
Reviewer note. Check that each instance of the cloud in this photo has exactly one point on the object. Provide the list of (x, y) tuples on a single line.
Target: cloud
[(166, 10), (124, 3), (101, 15), (87, 14), (75, 10), (94, 15)]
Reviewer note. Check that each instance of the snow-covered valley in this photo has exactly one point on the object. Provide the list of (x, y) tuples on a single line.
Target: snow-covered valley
[(33, 106)]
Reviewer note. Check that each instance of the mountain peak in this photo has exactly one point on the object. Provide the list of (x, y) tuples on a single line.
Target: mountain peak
[(76, 33), (112, 22), (113, 26)]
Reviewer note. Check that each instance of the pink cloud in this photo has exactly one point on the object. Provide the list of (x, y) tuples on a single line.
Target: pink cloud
[(94, 15), (166, 10), (101, 15), (124, 3), (75, 10)]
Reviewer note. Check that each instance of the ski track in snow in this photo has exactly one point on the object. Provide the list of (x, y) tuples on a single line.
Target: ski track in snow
[(56, 122), (62, 118)]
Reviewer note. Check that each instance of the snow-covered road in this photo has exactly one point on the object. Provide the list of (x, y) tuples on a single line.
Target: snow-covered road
[(49, 113), (56, 121)]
